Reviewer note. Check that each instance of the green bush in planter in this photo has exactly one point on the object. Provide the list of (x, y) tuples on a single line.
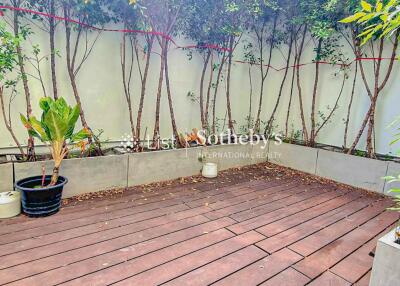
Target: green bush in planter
[(56, 128)]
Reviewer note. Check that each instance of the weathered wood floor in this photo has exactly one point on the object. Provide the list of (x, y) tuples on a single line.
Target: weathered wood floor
[(270, 231)]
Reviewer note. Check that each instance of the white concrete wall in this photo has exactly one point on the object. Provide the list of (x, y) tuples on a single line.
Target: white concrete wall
[(103, 101)]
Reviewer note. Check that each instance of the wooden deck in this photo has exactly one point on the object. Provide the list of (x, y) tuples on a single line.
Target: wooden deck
[(249, 227)]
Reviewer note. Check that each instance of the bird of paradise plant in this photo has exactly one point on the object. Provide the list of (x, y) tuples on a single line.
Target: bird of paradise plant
[(56, 128)]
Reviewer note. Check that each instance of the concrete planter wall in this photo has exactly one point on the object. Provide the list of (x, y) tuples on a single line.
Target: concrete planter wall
[(151, 167), (6, 177), (351, 170), (229, 156), (84, 175), (293, 156), (145, 168), (385, 271), (95, 174), (88, 175)]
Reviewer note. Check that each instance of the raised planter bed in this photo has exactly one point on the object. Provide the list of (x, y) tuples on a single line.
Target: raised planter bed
[(119, 171), (385, 271), (150, 167), (352, 170), (293, 156), (94, 174), (229, 156), (6, 177), (347, 169), (85, 175)]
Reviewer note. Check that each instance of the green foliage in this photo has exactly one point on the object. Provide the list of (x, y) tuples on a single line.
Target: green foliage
[(379, 19), (130, 14), (211, 22), (8, 54), (91, 13), (57, 122)]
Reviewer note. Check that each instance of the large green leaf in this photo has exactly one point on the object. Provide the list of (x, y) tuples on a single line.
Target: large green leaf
[(56, 125), (81, 135), (366, 6), (353, 18), (25, 122), (72, 119), (45, 103), (37, 126), (62, 108)]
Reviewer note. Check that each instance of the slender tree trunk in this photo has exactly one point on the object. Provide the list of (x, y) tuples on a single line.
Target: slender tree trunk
[(299, 54), (272, 118), (31, 143), (126, 84), (70, 68), (220, 69), (209, 92), (357, 51), (170, 102), (314, 96), (346, 130), (7, 122), (290, 99), (360, 132), (156, 134), (228, 89), (370, 148), (72, 75), (378, 87), (264, 75), (143, 87), (201, 97), (52, 27), (250, 100)]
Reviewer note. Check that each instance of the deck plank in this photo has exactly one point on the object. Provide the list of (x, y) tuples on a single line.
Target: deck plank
[(288, 277), (183, 265), (322, 238), (220, 268), (333, 253), (283, 235), (329, 279), (300, 204), (263, 270), (359, 263)]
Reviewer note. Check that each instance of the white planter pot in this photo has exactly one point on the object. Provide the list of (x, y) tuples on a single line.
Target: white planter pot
[(385, 271), (10, 204), (210, 170)]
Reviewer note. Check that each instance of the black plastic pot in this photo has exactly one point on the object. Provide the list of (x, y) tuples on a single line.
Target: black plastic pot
[(40, 202)]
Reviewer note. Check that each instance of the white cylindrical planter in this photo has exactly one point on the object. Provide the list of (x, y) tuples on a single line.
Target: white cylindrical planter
[(10, 204), (210, 170)]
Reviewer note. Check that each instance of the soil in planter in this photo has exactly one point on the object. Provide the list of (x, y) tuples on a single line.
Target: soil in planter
[(72, 155)]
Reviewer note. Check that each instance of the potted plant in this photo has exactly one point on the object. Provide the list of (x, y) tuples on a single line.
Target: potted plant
[(41, 195)]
